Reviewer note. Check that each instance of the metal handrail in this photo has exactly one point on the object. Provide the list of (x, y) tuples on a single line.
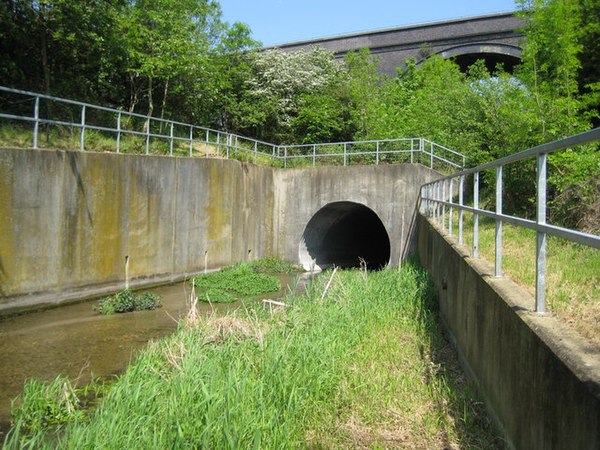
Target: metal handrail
[(439, 196), (227, 142)]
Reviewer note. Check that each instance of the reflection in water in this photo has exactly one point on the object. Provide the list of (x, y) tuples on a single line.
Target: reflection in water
[(78, 342)]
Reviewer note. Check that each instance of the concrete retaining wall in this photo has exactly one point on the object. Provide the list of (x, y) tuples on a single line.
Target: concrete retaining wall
[(540, 381), (69, 220)]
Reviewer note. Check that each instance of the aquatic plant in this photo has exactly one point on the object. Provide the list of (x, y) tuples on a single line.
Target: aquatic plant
[(271, 265), (232, 282), (126, 301)]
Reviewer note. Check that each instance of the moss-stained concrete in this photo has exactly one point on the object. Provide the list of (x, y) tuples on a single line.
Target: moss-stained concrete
[(70, 219)]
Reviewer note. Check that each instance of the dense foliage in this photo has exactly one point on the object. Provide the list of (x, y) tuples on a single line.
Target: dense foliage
[(178, 58)]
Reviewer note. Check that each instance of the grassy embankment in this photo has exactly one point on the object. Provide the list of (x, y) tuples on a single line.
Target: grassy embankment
[(365, 367), (573, 272), (64, 138)]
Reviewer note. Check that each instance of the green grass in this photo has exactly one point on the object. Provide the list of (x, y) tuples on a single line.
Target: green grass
[(66, 138), (126, 301), (365, 367), (573, 272)]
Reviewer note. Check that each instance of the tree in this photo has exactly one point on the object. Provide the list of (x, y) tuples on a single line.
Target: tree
[(62, 47), (551, 63), (277, 83), (552, 71)]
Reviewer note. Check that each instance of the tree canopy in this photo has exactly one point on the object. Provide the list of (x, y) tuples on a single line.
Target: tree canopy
[(178, 58)]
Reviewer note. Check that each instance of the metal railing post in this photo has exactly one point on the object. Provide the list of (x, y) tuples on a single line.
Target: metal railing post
[(377, 154), (499, 221), (431, 156), (206, 143), (412, 150), (314, 155), (475, 215), (171, 140), (344, 153), (461, 186), (218, 144), (36, 121), (147, 135), (438, 196), (119, 132), (285, 157), (540, 264), (191, 141), (82, 135), (444, 205), (451, 200), (255, 151)]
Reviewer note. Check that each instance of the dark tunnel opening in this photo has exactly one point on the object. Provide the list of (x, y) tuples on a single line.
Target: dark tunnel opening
[(492, 60), (343, 234)]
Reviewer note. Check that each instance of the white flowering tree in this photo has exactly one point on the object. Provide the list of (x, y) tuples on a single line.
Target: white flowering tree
[(277, 83)]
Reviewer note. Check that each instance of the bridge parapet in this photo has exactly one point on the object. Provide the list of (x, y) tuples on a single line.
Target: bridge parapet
[(135, 133)]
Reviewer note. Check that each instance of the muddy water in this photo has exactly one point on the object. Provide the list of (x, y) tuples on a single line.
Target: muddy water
[(78, 342)]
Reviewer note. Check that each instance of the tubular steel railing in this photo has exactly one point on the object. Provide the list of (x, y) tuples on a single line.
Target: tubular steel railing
[(190, 140), (439, 200)]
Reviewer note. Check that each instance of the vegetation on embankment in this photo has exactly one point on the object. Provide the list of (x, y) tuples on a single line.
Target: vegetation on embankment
[(365, 367), (573, 272)]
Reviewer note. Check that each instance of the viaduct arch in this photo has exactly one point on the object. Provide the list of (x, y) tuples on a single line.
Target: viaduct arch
[(496, 38)]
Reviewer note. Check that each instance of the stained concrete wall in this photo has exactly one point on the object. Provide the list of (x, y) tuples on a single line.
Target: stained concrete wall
[(68, 219), (540, 380)]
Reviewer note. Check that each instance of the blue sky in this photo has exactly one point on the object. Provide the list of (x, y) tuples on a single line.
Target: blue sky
[(279, 21)]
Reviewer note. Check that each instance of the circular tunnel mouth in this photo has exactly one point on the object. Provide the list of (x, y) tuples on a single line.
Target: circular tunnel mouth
[(344, 234)]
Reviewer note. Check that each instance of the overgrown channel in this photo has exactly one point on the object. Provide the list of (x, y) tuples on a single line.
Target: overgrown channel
[(360, 364)]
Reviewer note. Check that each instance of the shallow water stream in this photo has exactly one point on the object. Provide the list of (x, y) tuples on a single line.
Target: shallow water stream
[(76, 341)]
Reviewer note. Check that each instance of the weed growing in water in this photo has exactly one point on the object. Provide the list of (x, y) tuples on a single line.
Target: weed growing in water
[(272, 265), (126, 301), (44, 405), (230, 283)]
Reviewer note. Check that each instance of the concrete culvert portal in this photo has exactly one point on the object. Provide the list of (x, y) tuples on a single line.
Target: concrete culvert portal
[(343, 234)]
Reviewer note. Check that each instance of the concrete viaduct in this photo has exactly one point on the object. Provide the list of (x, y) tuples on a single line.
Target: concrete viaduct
[(495, 38)]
